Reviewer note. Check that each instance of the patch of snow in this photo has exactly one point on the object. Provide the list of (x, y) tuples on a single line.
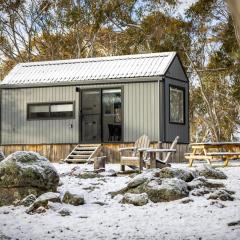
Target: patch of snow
[(113, 220)]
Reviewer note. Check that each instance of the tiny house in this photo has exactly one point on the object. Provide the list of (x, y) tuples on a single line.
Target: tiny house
[(51, 106)]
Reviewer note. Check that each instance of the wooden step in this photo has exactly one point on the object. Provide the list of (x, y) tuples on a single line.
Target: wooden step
[(85, 149), (88, 145), (82, 152), (79, 156), (76, 160)]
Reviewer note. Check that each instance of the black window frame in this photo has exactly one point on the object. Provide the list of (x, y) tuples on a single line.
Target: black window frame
[(49, 104), (184, 104), (101, 89), (121, 116)]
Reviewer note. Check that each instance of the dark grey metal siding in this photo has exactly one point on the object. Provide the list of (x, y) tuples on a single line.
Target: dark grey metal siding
[(172, 130), (176, 70), (141, 114)]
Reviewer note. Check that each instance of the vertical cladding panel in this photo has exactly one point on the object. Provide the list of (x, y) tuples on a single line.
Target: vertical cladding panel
[(141, 111), (126, 98), (4, 125)]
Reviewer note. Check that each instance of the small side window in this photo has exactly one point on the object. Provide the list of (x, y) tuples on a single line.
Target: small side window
[(176, 102), (61, 110), (38, 111), (50, 110)]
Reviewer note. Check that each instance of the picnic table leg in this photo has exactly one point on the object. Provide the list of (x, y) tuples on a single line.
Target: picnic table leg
[(209, 161), (191, 162), (226, 162)]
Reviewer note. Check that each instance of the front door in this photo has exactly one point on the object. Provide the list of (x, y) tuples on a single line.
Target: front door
[(91, 116)]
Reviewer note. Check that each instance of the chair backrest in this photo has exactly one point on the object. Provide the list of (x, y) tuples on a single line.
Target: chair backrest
[(142, 142), (173, 146)]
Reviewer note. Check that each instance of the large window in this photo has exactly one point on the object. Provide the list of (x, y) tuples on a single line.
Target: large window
[(50, 110), (112, 115), (176, 105)]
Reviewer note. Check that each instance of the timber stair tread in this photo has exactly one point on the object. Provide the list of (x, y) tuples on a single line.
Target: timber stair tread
[(79, 156), (83, 153)]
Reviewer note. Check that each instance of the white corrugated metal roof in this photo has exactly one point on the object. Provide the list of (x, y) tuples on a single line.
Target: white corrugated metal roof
[(87, 69)]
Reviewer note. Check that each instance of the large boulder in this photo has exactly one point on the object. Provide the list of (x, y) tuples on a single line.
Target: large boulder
[(208, 171), (165, 190), (183, 174), (23, 173), (135, 199)]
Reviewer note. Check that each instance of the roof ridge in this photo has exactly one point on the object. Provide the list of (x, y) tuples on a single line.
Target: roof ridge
[(96, 59)]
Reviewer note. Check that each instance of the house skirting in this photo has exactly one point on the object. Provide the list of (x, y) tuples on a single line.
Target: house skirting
[(57, 152)]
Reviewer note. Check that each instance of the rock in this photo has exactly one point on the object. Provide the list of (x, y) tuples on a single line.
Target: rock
[(60, 183), (143, 177), (75, 199), (27, 201), (201, 182), (165, 190), (109, 173), (209, 172), (186, 200), (64, 212), (24, 173), (42, 201), (40, 210), (183, 174), (200, 191), (234, 223), (2, 156), (4, 237), (86, 174), (217, 204), (221, 195), (55, 206), (100, 203), (135, 199)]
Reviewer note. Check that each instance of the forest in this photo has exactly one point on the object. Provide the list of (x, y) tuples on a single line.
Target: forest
[(205, 33)]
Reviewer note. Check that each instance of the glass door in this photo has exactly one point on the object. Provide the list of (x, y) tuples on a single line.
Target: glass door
[(111, 115), (91, 116)]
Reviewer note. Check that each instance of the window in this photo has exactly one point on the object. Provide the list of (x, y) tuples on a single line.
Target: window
[(176, 102), (50, 110), (112, 115)]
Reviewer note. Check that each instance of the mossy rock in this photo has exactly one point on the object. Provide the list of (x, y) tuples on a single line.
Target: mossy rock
[(23, 173)]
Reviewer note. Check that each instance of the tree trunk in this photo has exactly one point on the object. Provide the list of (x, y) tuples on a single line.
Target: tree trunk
[(234, 8)]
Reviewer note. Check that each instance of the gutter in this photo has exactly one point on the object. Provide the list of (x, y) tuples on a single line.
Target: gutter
[(83, 82)]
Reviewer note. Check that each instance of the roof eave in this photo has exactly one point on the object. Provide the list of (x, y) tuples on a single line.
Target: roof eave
[(85, 82)]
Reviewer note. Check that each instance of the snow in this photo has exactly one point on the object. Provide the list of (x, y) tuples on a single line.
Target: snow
[(113, 220)]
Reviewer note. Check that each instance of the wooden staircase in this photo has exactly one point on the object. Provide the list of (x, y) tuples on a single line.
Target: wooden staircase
[(83, 153)]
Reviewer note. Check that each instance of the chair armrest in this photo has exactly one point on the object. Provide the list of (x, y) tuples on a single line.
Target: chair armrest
[(161, 150), (142, 149), (127, 149)]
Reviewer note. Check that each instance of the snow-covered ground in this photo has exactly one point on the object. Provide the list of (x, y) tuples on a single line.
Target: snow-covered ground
[(113, 220)]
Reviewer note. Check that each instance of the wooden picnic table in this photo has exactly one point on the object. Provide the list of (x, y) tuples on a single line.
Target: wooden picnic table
[(214, 150)]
